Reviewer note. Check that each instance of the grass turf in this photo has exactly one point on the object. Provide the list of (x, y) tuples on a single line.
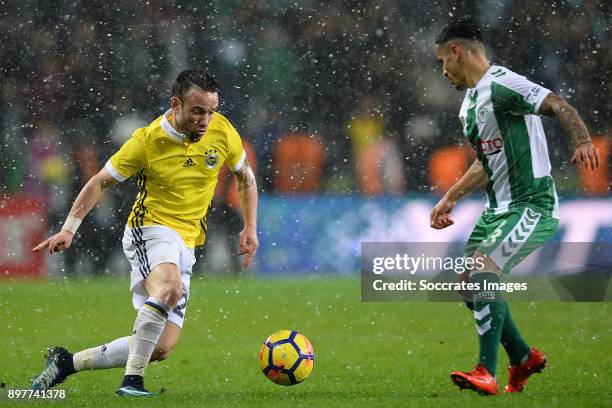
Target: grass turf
[(379, 354)]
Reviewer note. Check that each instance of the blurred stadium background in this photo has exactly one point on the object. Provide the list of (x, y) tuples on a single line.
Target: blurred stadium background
[(352, 129)]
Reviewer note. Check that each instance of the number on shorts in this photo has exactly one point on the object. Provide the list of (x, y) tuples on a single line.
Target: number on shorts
[(492, 239)]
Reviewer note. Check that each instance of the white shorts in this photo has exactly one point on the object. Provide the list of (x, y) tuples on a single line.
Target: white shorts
[(147, 247)]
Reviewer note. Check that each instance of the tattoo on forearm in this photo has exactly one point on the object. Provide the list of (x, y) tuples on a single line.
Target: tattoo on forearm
[(245, 177), (555, 106), (573, 124)]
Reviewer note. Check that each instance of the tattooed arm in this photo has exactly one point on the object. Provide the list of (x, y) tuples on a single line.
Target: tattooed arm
[(585, 154), (247, 190)]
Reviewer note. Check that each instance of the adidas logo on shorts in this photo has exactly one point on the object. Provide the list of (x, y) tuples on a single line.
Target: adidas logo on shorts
[(189, 162)]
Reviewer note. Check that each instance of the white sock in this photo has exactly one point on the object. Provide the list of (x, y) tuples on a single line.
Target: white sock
[(148, 328), (110, 355)]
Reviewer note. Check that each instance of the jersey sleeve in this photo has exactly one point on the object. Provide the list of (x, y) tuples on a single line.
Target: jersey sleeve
[(517, 94), (130, 159), (236, 155)]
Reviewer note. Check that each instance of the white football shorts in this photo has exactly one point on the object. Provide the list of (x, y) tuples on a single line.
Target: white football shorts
[(147, 247)]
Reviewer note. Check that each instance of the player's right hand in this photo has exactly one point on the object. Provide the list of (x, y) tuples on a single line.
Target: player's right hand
[(440, 215), (57, 243), (586, 156)]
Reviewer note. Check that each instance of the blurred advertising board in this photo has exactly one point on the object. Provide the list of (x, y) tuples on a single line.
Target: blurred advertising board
[(323, 234), (22, 226)]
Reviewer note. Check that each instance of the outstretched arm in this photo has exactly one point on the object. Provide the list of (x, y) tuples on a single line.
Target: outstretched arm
[(585, 154), (474, 178), (247, 190), (85, 201)]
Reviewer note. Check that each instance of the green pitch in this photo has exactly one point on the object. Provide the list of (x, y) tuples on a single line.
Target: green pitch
[(393, 354)]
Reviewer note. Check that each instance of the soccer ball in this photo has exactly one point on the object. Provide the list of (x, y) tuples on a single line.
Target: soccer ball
[(286, 357)]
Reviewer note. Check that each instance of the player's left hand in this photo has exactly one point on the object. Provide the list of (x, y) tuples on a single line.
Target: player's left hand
[(248, 246), (440, 215), (586, 156)]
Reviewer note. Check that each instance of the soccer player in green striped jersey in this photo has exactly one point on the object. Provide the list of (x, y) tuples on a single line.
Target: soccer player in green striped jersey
[(500, 116)]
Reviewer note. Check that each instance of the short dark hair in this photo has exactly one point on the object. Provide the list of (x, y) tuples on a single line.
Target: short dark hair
[(197, 77), (462, 28)]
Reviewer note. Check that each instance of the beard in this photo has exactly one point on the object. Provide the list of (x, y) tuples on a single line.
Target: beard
[(194, 137)]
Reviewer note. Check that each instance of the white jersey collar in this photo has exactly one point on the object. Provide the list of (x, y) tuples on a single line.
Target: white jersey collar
[(485, 75), (169, 129), (471, 91)]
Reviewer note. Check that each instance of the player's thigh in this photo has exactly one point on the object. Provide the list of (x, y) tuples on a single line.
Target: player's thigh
[(516, 234), (542, 231), (486, 224), (488, 234), (487, 231)]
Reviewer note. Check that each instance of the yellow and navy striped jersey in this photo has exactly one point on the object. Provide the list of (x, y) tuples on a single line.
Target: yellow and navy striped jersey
[(176, 179)]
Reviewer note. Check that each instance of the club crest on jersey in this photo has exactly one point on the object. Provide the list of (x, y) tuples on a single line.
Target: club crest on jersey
[(211, 159), (483, 115)]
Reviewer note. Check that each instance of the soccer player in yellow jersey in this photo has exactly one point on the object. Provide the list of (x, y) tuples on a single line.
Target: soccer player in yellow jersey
[(176, 160)]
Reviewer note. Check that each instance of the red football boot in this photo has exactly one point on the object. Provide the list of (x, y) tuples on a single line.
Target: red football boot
[(478, 380), (520, 373)]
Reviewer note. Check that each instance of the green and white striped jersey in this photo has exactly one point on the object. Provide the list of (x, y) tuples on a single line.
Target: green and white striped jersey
[(499, 117)]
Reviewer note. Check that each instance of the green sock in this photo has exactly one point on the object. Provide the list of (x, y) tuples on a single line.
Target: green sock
[(513, 342), (516, 347), (490, 312)]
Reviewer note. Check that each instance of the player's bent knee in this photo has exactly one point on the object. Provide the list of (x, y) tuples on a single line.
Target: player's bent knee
[(484, 264), (165, 283), (172, 293)]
